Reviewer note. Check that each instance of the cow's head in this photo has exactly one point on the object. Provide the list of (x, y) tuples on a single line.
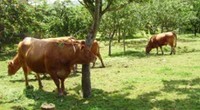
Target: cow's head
[(85, 55), (148, 48), (12, 69)]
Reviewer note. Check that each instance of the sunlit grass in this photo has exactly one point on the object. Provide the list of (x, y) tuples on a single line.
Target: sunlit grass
[(131, 81)]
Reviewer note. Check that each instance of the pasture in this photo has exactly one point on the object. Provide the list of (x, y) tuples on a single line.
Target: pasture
[(130, 81)]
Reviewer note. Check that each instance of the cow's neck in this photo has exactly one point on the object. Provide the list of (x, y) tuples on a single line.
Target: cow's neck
[(77, 56), (16, 62)]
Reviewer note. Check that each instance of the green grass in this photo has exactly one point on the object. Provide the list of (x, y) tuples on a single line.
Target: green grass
[(130, 81)]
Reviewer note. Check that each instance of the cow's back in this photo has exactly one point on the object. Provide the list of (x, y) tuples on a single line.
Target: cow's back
[(61, 51), (23, 46), (163, 38), (31, 52), (46, 53)]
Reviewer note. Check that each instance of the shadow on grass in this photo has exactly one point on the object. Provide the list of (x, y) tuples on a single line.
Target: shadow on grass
[(29, 80), (47, 77), (102, 100), (130, 53), (185, 49), (182, 86)]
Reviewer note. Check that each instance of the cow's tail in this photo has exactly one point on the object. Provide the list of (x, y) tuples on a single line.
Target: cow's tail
[(175, 39)]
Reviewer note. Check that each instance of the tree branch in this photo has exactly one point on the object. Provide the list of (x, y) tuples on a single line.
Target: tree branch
[(89, 5), (108, 8)]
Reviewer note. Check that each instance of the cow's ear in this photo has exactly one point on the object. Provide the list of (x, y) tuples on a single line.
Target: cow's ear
[(83, 42), (82, 47), (10, 62)]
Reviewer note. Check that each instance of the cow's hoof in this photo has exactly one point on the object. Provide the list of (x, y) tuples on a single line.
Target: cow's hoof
[(65, 93), (29, 87), (60, 95)]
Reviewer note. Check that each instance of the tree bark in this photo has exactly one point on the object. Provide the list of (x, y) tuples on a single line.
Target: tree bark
[(119, 35), (195, 30), (124, 44), (86, 83), (109, 48), (111, 35), (95, 7)]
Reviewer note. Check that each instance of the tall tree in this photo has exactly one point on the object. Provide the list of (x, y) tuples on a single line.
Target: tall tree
[(97, 9)]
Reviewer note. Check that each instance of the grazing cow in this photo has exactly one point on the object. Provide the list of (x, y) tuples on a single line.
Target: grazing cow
[(15, 65), (54, 56), (168, 38)]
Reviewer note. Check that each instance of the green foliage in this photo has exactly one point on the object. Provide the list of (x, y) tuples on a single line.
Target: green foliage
[(39, 19), (153, 16), (67, 20), (19, 18)]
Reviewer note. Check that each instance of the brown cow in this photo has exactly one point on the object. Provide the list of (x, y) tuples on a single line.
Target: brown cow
[(54, 56), (96, 50), (168, 38), (15, 65)]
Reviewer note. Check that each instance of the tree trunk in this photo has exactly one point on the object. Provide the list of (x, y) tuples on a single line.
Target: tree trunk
[(119, 35), (124, 43), (86, 83), (110, 43), (195, 30), (111, 35)]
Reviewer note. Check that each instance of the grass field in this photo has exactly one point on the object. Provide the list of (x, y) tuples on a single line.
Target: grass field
[(130, 81)]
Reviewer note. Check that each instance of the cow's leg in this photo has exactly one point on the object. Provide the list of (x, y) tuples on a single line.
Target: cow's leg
[(63, 86), (100, 58), (39, 81), (74, 67), (57, 83), (63, 77), (25, 69), (171, 50), (174, 50), (93, 64), (157, 50), (161, 50)]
